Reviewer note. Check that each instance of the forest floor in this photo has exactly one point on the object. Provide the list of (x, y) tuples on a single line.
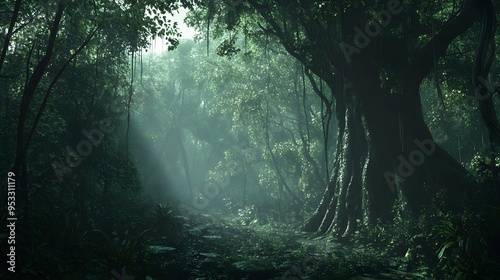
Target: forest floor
[(211, 247)]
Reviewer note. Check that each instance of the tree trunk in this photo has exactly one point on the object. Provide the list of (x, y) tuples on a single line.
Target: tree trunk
[(384, 151), (20, 167), (384, 148)]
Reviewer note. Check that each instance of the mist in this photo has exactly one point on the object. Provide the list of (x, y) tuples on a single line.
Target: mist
[(249, 140)]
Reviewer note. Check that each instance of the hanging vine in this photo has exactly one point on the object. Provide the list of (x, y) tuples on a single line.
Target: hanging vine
[(129, 102)]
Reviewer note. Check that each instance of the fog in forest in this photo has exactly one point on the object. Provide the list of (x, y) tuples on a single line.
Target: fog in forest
[(251, 139)]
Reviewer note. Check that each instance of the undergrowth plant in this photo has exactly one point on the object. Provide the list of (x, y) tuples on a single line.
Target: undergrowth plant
[(60, 250), (164, 222), (115, 253), (464, 249)]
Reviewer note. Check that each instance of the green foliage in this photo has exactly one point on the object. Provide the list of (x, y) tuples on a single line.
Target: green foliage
[(227, 47), (63, 253), (480, 167), (247, 215), (333, 270), (165, 223), (209, 106), (392, 239), (115, 252), (464, 248), (201, 98)]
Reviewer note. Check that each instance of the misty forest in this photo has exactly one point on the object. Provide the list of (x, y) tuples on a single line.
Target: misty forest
[(249, 139)]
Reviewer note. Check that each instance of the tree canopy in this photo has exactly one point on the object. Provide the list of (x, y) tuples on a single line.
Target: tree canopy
[(355, 120)]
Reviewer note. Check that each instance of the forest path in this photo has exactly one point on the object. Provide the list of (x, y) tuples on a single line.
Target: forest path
[(211, 247)]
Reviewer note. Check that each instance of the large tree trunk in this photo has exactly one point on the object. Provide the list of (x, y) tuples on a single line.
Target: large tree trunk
[(384, 151), (384, 148)]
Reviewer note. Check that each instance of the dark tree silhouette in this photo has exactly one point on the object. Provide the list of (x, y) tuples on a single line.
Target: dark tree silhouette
[(367, 53)]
